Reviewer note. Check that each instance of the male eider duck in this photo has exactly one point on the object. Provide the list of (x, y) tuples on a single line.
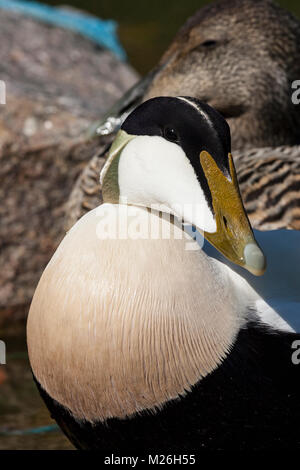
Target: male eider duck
[(241, 57), (140, 341)]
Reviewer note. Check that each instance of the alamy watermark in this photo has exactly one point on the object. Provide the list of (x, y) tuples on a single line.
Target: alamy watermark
[(128, 222), (296, 353), (2, 92), (296, 93), (2, 352)]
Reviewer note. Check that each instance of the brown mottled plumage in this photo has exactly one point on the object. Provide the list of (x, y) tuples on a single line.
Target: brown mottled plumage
[(269, 180), (240, 56)]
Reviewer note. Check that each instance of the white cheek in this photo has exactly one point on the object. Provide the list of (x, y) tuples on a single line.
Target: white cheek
[(155, 171)]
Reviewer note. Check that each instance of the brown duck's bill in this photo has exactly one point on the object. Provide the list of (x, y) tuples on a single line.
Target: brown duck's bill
[(234, 237)]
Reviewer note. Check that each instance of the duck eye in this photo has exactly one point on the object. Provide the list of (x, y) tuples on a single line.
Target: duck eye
[(170, 134), (210, 43)]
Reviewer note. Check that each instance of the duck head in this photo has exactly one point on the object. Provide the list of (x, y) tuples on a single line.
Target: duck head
[(241, 57), (174, 153)]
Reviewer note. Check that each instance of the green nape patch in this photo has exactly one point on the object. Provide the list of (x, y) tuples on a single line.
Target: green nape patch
[(110, 173)]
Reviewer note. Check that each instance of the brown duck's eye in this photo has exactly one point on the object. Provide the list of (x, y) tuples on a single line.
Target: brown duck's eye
[(170, 134), (210, 43)]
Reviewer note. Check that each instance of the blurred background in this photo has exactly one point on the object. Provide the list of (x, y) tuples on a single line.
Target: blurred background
[(145, 29)]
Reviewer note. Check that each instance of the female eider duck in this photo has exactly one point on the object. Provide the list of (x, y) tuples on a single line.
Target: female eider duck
[(241, 57), (138, 340)]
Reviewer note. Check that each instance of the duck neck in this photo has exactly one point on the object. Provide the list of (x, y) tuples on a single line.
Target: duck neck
[(253, 129)]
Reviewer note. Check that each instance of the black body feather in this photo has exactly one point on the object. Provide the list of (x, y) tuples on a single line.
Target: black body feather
[(250, 402)]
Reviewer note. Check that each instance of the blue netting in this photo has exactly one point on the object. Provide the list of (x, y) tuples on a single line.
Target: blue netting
[(103, 32), (23, 432)]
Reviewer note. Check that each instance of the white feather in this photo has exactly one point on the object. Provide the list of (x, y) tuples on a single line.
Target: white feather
[(155, 171)]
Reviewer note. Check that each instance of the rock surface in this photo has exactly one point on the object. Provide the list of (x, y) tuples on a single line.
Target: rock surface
[(57, 84)]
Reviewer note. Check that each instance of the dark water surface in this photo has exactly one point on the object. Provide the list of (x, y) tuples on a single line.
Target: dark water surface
[(22, 412), (145, 29)]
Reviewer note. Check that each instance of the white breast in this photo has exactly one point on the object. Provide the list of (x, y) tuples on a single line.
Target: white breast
[(119, 325)]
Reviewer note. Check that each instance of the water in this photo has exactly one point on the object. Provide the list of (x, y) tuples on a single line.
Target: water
[(21, 408), (145, 29)]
